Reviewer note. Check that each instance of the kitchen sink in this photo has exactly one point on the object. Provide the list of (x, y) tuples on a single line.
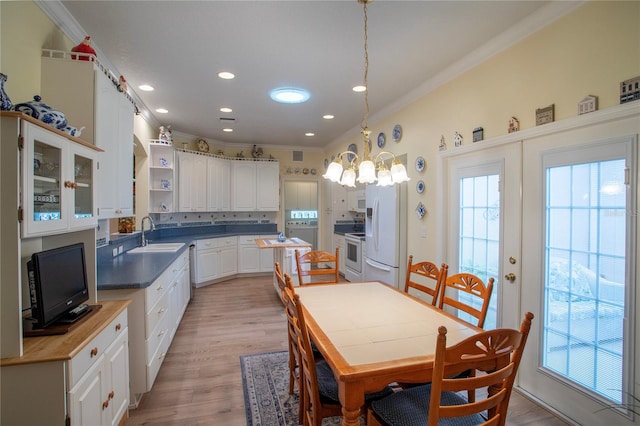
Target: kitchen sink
[(157, 248)]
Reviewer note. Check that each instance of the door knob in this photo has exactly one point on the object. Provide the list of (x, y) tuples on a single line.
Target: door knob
[(510, 277)]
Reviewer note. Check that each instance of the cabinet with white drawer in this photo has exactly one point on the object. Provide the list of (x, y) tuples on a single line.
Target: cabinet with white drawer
[(252, 259), (77, 378), (216, 258), (154, 315)]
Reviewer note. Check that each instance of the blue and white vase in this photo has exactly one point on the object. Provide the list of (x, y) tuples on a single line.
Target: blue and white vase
[(281, 237), (4, 98)]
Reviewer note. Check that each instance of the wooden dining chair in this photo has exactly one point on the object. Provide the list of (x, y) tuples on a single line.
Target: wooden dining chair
[(430, 404), (319, 389), (295, 362), (420, 274), (469, 284), (279, 278), (314, 264)]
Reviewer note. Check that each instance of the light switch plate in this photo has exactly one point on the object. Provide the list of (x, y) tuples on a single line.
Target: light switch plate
[(423, 232)]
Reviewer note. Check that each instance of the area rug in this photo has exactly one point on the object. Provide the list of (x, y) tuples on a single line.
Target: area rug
[(265, 379)]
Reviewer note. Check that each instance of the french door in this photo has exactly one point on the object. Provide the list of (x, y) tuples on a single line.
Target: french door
[(581, 357), (484, 225), (553, 219)]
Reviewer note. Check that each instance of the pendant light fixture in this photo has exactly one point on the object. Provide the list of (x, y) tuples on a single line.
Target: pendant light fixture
[(365, 168)]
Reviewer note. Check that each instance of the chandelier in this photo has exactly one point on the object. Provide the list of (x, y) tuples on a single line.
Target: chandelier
[(368, 170)]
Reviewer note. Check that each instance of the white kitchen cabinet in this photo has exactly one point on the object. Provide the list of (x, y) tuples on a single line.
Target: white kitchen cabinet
[(255, 185), (338, 241), (218, 184), (216, 258), (356, 199), (161, 178), (252, 259), (80, 378), (243, 193), (192, 181), (301, 195), (268, 186), (88, 95), (154, 315), (114, 133), (58, 182), (103, 386)]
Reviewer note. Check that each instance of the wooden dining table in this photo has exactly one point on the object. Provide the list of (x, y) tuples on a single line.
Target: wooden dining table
[(372, 335)]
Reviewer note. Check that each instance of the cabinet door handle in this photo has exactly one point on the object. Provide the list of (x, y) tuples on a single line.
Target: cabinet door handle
[(161, 333), (118, 327), (161, 311), (160, 288), (94, 352), (105, 404), (112, 394)]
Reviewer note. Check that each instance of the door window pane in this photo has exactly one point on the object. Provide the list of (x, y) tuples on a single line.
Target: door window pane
[(480, 238), (584, 291)]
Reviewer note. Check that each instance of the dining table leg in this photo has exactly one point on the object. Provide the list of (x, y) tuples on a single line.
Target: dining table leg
[(352, 399)]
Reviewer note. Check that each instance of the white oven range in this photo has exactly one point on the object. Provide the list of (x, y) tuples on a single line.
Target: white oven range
[(353, 256)]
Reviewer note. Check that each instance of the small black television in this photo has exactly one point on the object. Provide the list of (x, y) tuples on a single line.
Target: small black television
[(57, 283)]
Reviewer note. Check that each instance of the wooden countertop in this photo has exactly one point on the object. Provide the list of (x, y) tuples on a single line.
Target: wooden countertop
[(65, 346), (274, 243)]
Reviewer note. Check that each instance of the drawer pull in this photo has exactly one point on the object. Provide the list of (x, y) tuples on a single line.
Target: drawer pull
[(94, 352), (162, 355), (161, 333), (160, 288), (112, 394), (161, 311), (118, 326)]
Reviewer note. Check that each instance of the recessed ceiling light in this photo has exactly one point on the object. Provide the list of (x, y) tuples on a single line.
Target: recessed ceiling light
[(146, 88), (289, 95), (226, 75), (328, 117), (225, 109), (359, 88), (227, 130), (162, 110), (309, 134)]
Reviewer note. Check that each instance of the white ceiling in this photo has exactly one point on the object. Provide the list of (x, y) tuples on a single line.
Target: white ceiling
[(180, 46)]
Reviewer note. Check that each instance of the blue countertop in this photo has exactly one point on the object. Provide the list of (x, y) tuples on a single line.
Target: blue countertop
[(140, 270)]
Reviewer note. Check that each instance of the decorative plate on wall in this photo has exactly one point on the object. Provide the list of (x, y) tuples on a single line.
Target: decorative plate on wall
[(352, 148), (420, 164), (381, 139), (420, 187), (397, 133), (421, 210)]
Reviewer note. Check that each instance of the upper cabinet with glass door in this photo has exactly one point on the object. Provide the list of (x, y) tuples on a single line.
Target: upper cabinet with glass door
[(58, 182)]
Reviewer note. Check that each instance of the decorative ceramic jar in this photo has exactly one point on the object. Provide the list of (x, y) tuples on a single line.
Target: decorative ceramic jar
[(281, 237), (5, 102), (43, 112)]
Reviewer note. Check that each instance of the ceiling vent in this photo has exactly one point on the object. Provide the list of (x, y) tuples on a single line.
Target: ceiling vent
[(227, 120), (297, 156)]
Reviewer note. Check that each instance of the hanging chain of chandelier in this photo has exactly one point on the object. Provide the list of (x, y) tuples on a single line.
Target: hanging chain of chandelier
[(365, 168)]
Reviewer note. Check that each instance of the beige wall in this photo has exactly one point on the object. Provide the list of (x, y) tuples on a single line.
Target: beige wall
[(588, 52)]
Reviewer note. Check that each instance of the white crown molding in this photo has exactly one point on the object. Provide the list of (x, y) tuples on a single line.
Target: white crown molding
[(528, 26)]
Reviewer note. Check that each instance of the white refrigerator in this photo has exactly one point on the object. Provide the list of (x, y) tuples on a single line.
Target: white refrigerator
[(386, 234)]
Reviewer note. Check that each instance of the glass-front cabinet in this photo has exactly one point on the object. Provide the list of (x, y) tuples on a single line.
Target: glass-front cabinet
[(58, 183)]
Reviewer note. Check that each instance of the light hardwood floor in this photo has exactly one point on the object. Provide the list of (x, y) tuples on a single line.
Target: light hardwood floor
[(200, 383)]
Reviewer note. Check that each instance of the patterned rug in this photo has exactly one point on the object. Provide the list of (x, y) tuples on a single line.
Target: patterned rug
[(265, 379)]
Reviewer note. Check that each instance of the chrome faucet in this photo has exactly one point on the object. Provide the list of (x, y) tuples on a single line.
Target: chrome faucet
[(152, 228)]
